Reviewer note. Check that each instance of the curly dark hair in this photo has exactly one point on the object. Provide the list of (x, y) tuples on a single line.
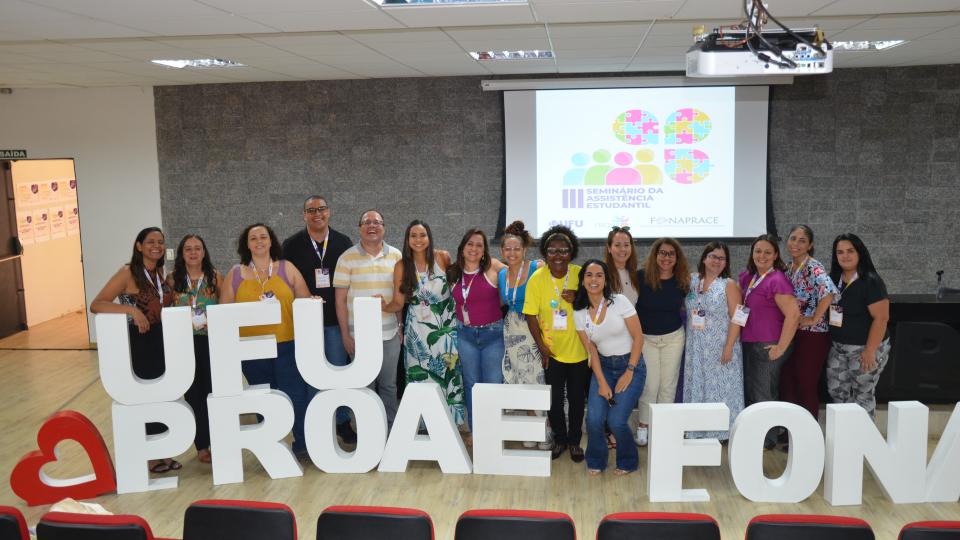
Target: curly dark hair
[(180, 266), (519, 231), (276, 251), (563, 233)]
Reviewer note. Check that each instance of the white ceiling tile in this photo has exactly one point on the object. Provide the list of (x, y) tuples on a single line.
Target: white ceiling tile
[(390, 37), (597, 43), (604, 10), (952, 33), (882, 34), (506, 45), (56, 52), (932, 21), (877, 7), (595, 53), (119, 9), (828, 24), (525, 31), (591, 68), (197, 26), (315, 21), (461, 15), (593, 30), (288, 6)]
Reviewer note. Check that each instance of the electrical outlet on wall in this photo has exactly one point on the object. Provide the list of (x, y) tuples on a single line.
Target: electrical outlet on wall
[(170, 254)]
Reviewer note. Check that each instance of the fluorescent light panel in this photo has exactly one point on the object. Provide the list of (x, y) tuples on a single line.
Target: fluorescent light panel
[(198, 63), (484, 56), (866, 45), (392, 3)]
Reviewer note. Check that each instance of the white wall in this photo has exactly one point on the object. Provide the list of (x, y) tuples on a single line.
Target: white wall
[(111, 135)]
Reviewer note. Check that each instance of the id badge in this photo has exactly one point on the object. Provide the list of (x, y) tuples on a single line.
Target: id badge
[(322, 277), (559, 319), (698, 319), (466, 316), (836, 315), (741, 315), (199, 318), (268, 296)]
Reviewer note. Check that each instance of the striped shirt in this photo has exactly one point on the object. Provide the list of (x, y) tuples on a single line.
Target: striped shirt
[(365, 275)]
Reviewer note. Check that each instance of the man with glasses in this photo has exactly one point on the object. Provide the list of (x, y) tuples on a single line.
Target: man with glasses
[(315, 251), (367, 270)]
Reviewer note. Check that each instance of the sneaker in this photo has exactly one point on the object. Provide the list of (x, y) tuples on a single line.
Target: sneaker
[(346, 433), (641, 439)]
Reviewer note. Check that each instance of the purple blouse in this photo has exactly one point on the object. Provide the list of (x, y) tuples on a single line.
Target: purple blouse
[(766, 320)]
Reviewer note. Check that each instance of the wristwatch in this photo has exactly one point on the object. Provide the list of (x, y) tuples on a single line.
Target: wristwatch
[(631, 367)]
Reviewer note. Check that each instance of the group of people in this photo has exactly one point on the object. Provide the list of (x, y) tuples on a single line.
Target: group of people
[(608, 336)]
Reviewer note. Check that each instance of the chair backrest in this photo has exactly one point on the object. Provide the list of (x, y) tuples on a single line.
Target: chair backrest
[(930, 530), (373, 523), (805, 527), (12, 524), (67, 526), (216, 519), (514, 525), (658, 526)]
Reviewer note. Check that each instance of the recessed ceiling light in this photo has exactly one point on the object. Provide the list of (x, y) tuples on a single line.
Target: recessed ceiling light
[(198, 63), (866, 45), (484, 56), (392, 3)]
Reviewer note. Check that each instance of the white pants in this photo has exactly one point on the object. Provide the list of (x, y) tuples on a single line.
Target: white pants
[(662, 355)]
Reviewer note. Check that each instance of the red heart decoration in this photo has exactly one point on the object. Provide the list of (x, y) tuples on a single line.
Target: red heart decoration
[(35, 488)]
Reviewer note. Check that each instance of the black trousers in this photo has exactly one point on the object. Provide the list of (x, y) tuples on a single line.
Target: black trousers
[(146, 358), (572, 380), (196, 395)]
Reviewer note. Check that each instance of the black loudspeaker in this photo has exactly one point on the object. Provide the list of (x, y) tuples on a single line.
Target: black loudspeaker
[(924, 363)]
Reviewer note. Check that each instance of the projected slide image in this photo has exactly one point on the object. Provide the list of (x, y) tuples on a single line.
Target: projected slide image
[(657, 159)]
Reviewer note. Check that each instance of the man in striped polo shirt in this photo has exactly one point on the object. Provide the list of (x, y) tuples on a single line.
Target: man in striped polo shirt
[(366, 269)]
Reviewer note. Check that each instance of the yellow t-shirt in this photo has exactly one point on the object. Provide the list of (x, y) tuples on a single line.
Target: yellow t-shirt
[(249, 291), (542, 288)]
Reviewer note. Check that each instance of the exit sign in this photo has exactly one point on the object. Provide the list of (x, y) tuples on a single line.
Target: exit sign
[(13, 154)]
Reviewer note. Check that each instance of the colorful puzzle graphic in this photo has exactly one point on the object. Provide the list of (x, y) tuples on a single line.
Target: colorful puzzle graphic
[(687, 126), (686, 166), (637, 126)]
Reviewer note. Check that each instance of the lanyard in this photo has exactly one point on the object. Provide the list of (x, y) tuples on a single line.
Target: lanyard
[(256, 274), (844, 285), (596, 318), (754, 283), (465, 288), (317, 250), (802, 266), (156, 284), (516, 285), (559, 292), (196, 292)]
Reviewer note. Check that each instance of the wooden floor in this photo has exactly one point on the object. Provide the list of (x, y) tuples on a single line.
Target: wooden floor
[(66, 332), (34, 384)]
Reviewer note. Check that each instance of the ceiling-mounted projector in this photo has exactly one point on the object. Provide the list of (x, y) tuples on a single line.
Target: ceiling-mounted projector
[(748, 48), (727, 54)]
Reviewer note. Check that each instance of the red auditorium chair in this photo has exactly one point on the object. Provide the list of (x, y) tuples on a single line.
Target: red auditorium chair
[(805, 527), (658, 526), (12, 524), (239, 520), (67, 526), (930, 530), (514, 525), (373, 523)]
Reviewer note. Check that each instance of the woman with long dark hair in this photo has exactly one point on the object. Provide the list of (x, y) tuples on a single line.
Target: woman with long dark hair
[(621, 257), (609, 330), (814, 291), (480, 323), (141, 292), (663, 283), (196, 283), (769, 323), (858, 325), (263, 276), (548, 307), (430, 332)]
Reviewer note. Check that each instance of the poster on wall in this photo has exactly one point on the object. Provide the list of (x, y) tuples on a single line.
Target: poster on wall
[(58, 224), (73, 219), (41, 220), (25, 228)]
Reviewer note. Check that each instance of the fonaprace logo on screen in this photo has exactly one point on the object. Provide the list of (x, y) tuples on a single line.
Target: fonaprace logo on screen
[(629, 179)]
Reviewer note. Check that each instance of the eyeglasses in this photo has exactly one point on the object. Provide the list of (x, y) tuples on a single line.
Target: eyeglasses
[(558, 251), (718, 258), (617, 228), (317, 210), (668, 254), (371, 222)]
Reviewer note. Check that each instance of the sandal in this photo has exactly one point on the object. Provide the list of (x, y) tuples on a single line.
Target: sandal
[(621, 472), (160, 467), (611, 441), (594, 472), (203, 456), (576, 454), (174, 465)]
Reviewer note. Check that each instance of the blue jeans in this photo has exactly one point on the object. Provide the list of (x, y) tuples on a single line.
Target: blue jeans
[(600, 412), (336, 355), (481, 357), (281, 373)]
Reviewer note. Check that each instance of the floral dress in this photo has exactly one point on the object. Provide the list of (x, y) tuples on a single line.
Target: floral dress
[(705, 379), (521, 361), (430, 340)]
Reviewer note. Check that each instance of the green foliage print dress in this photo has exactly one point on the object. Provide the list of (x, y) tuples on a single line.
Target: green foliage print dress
[(430, 340)]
